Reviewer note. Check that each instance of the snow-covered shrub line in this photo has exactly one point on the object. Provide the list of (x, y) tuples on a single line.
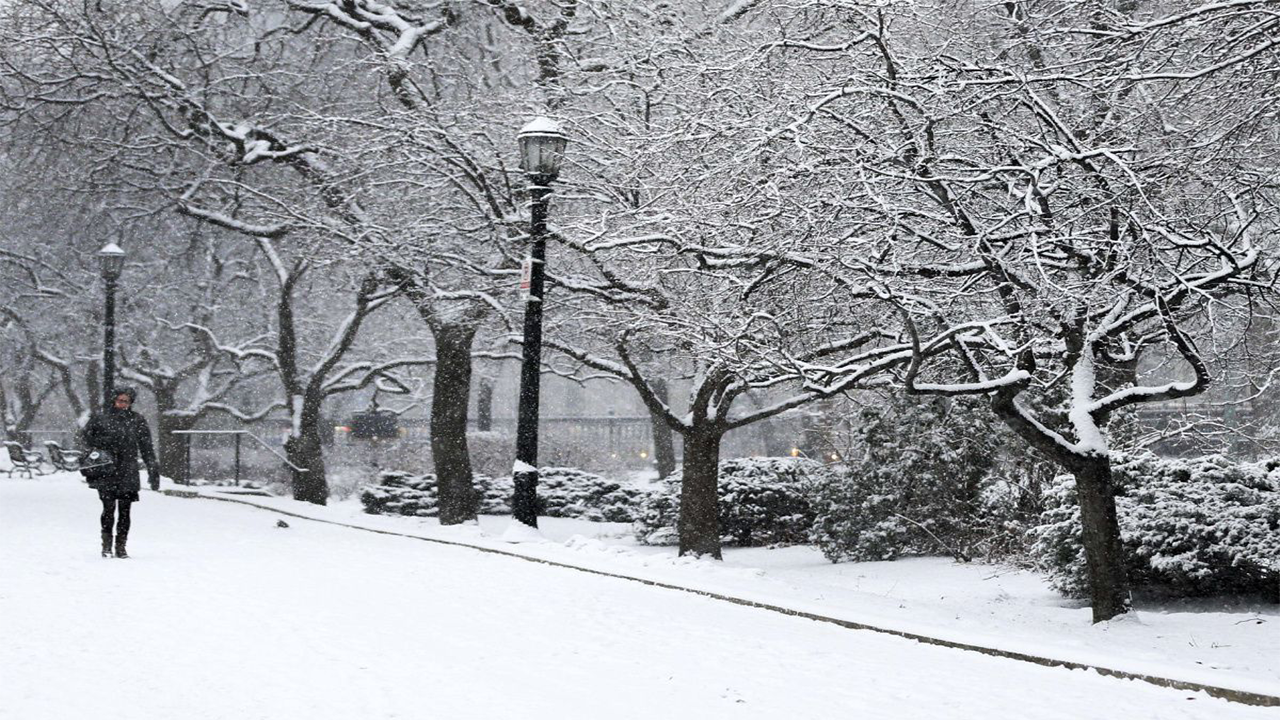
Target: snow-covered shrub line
[(1205, 526), (562, 492), (762, 501)]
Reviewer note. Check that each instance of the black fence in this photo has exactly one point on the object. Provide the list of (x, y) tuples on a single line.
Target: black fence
[(231, 456), (600, 442)]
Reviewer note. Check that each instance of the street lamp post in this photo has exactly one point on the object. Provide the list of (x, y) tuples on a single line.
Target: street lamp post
[(111, 259), (542, 146)]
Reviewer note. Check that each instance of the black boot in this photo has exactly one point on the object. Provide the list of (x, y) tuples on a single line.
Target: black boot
[(120, 553), (106, 544)]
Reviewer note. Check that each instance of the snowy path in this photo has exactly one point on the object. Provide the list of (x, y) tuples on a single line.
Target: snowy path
[(222, 615)]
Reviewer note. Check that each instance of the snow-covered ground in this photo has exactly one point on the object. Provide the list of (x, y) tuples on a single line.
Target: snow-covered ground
[(222, 614), (1227, 643)]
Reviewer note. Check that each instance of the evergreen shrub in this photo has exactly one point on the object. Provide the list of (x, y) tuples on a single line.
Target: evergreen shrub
[(924, 477), (1196, 527), (572, 493), (402, 493), (762, 501), (562, 492)]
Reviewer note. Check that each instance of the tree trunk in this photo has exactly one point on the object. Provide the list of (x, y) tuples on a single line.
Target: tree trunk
[(810, 435), (4, 414), (304, 451), (27, 407), (172, 449), (93, 385), (1100, 530), (1095, 493), (484, 405), (451, 388), (699, 524), (664, 451)]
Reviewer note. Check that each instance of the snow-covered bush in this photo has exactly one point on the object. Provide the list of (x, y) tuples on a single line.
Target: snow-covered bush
[(655, 522), (762, 501), (923, 479), (572, 493), (562, 492), (400, 493), (1196, 527)]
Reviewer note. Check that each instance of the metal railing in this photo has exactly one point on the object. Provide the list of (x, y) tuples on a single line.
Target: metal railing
[(238, 435)]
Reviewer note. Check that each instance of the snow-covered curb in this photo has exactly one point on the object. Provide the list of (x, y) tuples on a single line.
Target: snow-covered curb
[(667, 576)]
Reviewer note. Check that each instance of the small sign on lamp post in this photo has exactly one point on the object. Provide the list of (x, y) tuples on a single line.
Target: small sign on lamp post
[(526, 275)]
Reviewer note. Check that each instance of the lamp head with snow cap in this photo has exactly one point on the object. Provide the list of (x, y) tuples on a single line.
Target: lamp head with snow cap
[(111, 261), (542, 146)]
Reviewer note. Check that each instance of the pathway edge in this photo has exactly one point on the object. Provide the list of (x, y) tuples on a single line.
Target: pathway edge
[(1230, 694)]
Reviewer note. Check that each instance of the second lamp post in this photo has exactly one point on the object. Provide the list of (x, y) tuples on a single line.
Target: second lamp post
[(542, 146), (111, 263)]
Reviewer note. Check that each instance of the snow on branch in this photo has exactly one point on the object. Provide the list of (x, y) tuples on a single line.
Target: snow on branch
[(247, 417), (275, 230), (239, 353), (367, 301), (366, 17), (360, 375), (1014, 378), (651, 400), (589, 359), (735, 10), (1168, 391)]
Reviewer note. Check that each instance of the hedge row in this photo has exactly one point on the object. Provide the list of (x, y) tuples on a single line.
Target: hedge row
[(562, 492), (1189, 527)]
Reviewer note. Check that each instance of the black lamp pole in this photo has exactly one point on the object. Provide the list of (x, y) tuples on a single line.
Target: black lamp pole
[(109, 344), (112, 262), (542, 147), (524, 503)]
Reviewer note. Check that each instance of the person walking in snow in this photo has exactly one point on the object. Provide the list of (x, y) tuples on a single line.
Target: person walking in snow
[(125, 434)]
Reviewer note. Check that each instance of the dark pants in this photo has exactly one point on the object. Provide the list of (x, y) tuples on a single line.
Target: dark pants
[(109, 506)]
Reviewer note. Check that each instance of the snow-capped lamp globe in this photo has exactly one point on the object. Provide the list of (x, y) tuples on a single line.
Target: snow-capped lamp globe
[(542, 146), (111, 261)]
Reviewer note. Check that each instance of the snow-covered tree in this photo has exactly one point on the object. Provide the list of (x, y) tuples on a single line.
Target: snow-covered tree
[(1048, 196)]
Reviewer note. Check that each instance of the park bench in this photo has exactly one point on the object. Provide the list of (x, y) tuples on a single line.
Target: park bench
[(22, 459), (62, 459)]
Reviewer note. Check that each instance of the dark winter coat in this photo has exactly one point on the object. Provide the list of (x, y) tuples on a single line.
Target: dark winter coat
[(124, 434)]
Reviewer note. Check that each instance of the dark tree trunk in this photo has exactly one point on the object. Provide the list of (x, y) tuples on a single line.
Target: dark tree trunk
[(458, 502), (1100, 530), (304, 451), (93, 385), (484, 405), (810, 435), (699, 524), (1095, 493), (664, 451), (4, 413), (172, 452), (172, 448), (15, 426), (27, 406)]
